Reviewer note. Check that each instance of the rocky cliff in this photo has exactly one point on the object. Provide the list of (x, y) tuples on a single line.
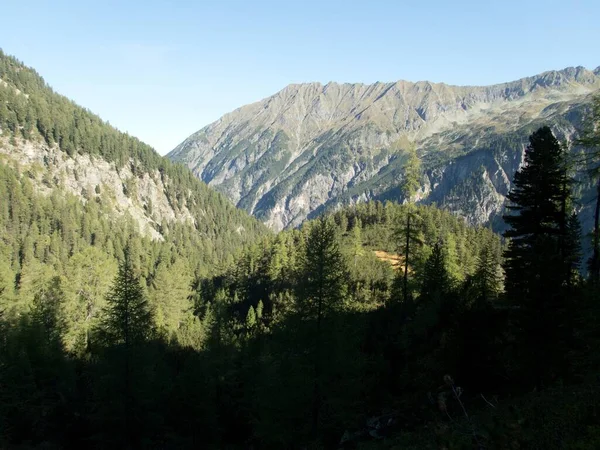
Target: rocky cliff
[(61, 148), (312, 147), (141, 197)]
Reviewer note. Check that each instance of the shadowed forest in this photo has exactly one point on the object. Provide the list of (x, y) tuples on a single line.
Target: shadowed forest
[(460, 339)]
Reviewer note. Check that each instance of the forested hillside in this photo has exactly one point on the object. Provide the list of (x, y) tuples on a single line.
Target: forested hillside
[(138, 309), (75, 192), (35, 119)]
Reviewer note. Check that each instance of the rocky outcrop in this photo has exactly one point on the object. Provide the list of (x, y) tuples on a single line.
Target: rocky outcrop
[(312, 147), (141, 196)]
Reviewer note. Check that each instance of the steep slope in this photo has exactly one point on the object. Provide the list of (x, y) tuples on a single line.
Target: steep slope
[(310, 146), (64, 149)]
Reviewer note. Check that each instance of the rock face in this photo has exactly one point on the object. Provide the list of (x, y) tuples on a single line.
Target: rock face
[(312, 147), (142, 196)]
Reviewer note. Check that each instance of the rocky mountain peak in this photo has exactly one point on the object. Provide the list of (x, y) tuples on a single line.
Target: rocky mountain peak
[(311, 146)]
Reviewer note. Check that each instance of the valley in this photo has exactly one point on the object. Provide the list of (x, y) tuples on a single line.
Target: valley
[(248, 290)]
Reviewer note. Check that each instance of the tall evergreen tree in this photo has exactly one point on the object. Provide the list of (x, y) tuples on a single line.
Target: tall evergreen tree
[(537, 220), (321, 291), (357, 241), (409, 239), (323, 278), (48, 310), (590, 138), (126, 324), (412, 174), (541, 246), (170, 300), (435, 279), (572, 253), (127, 317), (487, 279)]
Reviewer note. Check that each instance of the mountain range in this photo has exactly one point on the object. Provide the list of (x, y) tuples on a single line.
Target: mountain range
[(139, 308), (313, 147), (57, 149)]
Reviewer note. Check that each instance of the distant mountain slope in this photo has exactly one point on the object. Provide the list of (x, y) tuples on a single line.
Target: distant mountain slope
[(64, 148), (310, 146)]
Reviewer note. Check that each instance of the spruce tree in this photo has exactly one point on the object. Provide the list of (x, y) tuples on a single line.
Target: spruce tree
[(127, 317), (259, 310), (435, 281), (126, 324), (250, 319), (590, 139), (357, 241), (323, 279), (48, 311), (408, 236), (486, 279), (537, 220), (170, 299), (540, 249), (412, 175), (572, 249), (321, 291)]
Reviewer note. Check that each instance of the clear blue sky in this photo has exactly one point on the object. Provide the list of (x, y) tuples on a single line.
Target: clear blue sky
[(162, 70)]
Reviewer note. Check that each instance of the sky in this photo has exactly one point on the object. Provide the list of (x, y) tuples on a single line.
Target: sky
[(162, 70)]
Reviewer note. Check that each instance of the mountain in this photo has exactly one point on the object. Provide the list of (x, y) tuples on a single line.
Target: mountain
[(52, 148), (312, 147), (141, 309)]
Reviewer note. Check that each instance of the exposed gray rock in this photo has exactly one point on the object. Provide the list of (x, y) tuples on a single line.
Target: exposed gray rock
[(142, 197), (311, 147)]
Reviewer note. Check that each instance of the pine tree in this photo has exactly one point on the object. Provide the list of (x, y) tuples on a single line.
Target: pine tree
[(572, 249), (540, 248), (409, 238), (321, 291), (259, 310), (7, 282), (357, 241), (90, 274), (48, 311), (537, 220), (127, 318), (250, 319), (412, 174), (590, 139), (170, 298), (126, 324), (435, 280), (323, 278), (487, 279)]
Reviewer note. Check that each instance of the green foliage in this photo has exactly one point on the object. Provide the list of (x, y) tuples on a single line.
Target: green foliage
[(487, 278), (542, 255), (32, 110), (590, 140), (291, 340), (590, 136), (127, 318), (435, 281), (251, 318), (537, 196), (323, 272), (171, 297), (48, 310), (411, 182)]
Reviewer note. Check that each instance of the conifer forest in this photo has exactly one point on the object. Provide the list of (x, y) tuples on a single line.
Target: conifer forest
[(374, 325)]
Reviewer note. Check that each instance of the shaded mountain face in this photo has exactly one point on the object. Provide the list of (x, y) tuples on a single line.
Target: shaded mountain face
[(313, 147)]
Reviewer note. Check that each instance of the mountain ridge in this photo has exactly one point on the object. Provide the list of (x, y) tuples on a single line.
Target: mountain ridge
[(284, 157), (61, 148)]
